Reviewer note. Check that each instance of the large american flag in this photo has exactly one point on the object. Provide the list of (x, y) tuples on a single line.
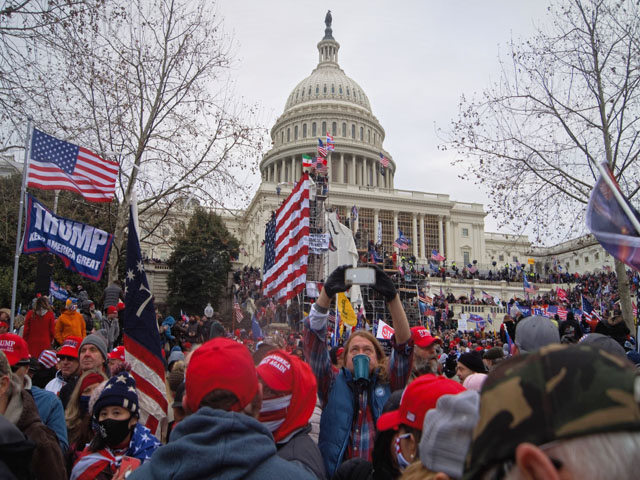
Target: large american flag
[(437, 256), (384, 161), (287, 245), (141, 337), (321, 148), (58, 165)]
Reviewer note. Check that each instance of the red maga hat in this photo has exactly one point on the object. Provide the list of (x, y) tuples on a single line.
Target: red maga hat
[(422, 337)]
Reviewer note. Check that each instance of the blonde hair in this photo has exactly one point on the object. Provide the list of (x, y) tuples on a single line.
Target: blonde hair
[(72, 415), (383, 373)]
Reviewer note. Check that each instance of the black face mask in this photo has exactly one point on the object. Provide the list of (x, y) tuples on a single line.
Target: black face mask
[(114, 431)]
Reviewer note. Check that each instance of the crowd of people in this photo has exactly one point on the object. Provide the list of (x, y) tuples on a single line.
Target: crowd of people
[(524, 402)]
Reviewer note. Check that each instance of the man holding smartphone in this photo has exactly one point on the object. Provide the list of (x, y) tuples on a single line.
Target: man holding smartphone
[(353, 396)]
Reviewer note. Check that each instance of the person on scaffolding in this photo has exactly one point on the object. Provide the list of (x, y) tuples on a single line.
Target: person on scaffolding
[(353, 396)]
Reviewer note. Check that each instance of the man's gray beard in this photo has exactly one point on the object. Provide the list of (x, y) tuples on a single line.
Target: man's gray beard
[(423, 366)]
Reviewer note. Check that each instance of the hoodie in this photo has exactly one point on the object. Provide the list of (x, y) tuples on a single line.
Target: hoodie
[(217, 444)]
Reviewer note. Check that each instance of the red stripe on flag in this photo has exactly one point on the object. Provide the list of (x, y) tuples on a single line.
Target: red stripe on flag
[(150, 390), (146, 357)]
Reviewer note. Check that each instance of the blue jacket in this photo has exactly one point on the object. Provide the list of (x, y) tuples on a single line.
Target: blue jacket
[(222, 445), (338, 415), (52, 414)]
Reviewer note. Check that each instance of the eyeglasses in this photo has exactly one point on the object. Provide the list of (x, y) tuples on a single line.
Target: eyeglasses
[(64, 357)]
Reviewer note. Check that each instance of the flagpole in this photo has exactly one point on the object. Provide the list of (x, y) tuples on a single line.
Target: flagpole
[(16, 259), (604, 172)]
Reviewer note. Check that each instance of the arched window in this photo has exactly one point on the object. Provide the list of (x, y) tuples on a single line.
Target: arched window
[(313, 129), (334, 129), (348, 94), (295, 132), (317, 89), (333, 88), (369, 135), (325, 88), (324, 128), (309, 90), (281, 137), (353, 131), (344, 129), (288, 134), (361, 134), (304, 130), (340, 89)]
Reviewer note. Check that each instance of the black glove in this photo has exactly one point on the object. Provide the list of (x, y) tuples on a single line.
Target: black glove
[(384, 285), (335, 283)]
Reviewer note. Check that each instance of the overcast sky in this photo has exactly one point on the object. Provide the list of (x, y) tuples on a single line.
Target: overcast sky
[(413, 58)]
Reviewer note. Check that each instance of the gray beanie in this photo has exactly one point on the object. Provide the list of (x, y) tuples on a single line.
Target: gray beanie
[(447, 431), (96, 340)]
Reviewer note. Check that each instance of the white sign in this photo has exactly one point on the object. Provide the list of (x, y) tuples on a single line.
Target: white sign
[(462, 322), (384, 330), (318, 243)]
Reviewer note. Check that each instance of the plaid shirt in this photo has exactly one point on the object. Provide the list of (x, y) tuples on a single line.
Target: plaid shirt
[(315, 349)]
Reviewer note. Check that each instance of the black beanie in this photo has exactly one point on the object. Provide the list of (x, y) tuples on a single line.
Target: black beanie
[(473, 361)]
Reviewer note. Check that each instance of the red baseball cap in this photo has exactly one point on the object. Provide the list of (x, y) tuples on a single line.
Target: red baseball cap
[(117, 353), (111, 310), (70, 347), (422, 337), (15, 348), (275, 371), (222, 364), (419, 397)]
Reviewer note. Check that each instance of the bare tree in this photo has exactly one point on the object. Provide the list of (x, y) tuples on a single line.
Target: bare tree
[(566, 100), (147, 85)]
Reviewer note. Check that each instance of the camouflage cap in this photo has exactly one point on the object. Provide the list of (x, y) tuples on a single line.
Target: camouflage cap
[(558, 392)]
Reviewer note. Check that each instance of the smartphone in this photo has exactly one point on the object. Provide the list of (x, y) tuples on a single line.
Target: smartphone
[(128, 464), (360, 276)]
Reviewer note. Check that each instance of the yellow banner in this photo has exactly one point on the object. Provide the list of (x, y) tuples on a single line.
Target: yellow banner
[(531, 261), (347, 313)]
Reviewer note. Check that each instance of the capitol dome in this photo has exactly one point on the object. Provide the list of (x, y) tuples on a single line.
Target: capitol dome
[(329, 102)]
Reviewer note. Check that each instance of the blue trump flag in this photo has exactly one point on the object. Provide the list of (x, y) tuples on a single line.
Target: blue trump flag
[(609, 223), (82, 248), (141, 336)]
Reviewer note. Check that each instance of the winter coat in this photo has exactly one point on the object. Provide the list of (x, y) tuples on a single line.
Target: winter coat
[(39, 331), (47, 461), (16, 452), (52, 414), (300, 449), (70, 323), (112, 330), (222, 445)]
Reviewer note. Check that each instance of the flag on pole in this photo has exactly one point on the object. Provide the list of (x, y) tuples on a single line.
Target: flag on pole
[(402, 242), (330, 145), (528, 287), (307, 161), (562, 295), (384, 161), (344, 307), (321, 148), (486, 296), (57, 165), (610, 224), (141, 338), (435, 255), (287, 245), (237, 312)]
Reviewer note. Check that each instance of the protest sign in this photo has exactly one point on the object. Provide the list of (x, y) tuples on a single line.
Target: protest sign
[(384, 330), (82, 248)]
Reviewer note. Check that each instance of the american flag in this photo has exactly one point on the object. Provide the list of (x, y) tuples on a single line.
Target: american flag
[(321, 148), (384, 161), (435, 255), (562, 313), (237, 311), (321, 165), (141, 337), (330, 144), (588, 313), (287, 245), (486, 296), (58, 165)]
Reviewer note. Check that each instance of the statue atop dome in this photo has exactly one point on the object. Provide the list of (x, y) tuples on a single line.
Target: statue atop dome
[(327, 19), (328, 33)]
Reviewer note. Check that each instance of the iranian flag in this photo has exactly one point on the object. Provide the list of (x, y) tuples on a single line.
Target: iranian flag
[(306, 161)]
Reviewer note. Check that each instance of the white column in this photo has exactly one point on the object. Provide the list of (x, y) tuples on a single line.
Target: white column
[(450, 246), (376, 219), (395, 228), (352, 180), (440, 235), (341, 173), (414, 232), (292, 170), (376, 173), (365, 172), (422, 239)]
